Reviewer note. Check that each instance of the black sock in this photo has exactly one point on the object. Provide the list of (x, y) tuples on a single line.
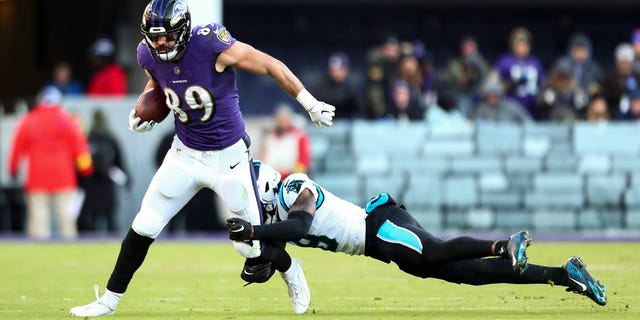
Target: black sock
[(501, 248), (279, 258), (496, 270), (132, 253)]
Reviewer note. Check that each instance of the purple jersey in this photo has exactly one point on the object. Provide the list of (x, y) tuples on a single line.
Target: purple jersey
[(205, 102), (524, 76)]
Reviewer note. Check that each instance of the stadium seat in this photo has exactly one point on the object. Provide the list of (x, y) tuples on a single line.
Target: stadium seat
[(553, 200), (536, 146), (440, 148), (460, 191), (340, 162), (558, 183), (594, 163), (632, 198), (561, 162), (424, 192), (387, 138), (516, 164), (492, 181), (419, 164), (501, 200), (626, 164), (468, 165), (591, 219), (558, 220), (504, 138), (513, 220), (556, 132), (481, 219), (373, 164), (520, 181), (394, 185), (348, 187), (597, 138), (605, 190), (455, 219), (431, 220), (462, 131), (632, 219)]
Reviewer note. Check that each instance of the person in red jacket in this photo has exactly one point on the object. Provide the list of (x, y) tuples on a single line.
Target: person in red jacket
[(55, 146), (109, 78), (285, 146)]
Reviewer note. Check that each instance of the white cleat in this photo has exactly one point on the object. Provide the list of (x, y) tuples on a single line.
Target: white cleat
[(97, 308), (298, 287)]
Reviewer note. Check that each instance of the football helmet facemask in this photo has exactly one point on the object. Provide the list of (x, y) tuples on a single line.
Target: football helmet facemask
[(168, 18)]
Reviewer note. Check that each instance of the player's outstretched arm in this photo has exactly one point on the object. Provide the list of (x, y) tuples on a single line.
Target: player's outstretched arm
[(244, 56), (293, 228)]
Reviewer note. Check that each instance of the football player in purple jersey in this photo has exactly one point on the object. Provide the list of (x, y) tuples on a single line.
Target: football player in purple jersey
[(196, 69)]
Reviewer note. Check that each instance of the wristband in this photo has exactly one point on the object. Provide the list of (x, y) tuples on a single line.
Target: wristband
[(306, 99)]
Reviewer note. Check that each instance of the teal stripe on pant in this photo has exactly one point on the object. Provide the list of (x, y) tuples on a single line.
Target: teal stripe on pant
[(392, 233)]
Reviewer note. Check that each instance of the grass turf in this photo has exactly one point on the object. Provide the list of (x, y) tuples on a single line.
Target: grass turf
[(200, 280)]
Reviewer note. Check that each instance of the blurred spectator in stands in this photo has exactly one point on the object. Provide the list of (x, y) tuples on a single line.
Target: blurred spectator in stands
[(464, 73), (99, 206), (109, 78), (635, 42), (53, 144), (445, 112), (561, 99), (382, 62), (585, 70), (404, 106), (633, 114), (427, 70), (494, 106), (409, 71), (62, 78), (286, 146), (620, 81), (521, 72), (336, 88), (597, 111)]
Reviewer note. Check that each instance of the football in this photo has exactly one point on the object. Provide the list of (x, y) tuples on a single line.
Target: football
[(152, 106)]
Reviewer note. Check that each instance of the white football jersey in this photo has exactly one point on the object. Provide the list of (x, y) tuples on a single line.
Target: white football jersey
[(338, 225)]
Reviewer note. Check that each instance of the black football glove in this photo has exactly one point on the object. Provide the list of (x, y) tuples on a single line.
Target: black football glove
[(257, 271), (239, 230)]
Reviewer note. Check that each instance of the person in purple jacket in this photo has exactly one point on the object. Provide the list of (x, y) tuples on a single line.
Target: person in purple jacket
[(521, 72), (196, 70)]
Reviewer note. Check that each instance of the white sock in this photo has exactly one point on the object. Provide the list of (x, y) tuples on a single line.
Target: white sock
[(111, 298)]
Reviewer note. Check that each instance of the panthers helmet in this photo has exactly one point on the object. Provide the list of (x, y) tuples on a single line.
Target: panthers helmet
[(169, 18), (268, 184)]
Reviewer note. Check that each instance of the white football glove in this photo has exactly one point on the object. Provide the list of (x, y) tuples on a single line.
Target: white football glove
[(321, 113), (135, 125)]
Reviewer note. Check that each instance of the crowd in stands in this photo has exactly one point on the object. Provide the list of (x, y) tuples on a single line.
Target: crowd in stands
[(403, 82)]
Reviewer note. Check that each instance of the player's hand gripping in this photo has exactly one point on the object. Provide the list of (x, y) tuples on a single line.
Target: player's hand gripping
[(321, 113), (135, 125), (239, 230)]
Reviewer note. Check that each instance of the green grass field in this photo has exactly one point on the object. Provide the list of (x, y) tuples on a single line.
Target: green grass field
[(200, 280)]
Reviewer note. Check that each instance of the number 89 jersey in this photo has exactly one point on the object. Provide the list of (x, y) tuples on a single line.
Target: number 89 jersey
[(338, 225), (205, 102)]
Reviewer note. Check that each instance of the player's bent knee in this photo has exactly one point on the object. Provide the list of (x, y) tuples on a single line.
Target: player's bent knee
[(234, 195), (147, 224)]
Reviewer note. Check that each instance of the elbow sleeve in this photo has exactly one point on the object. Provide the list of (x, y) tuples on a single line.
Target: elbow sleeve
[(295, 227)]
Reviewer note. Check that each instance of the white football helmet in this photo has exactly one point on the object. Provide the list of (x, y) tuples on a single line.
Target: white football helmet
[(268, 181)]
